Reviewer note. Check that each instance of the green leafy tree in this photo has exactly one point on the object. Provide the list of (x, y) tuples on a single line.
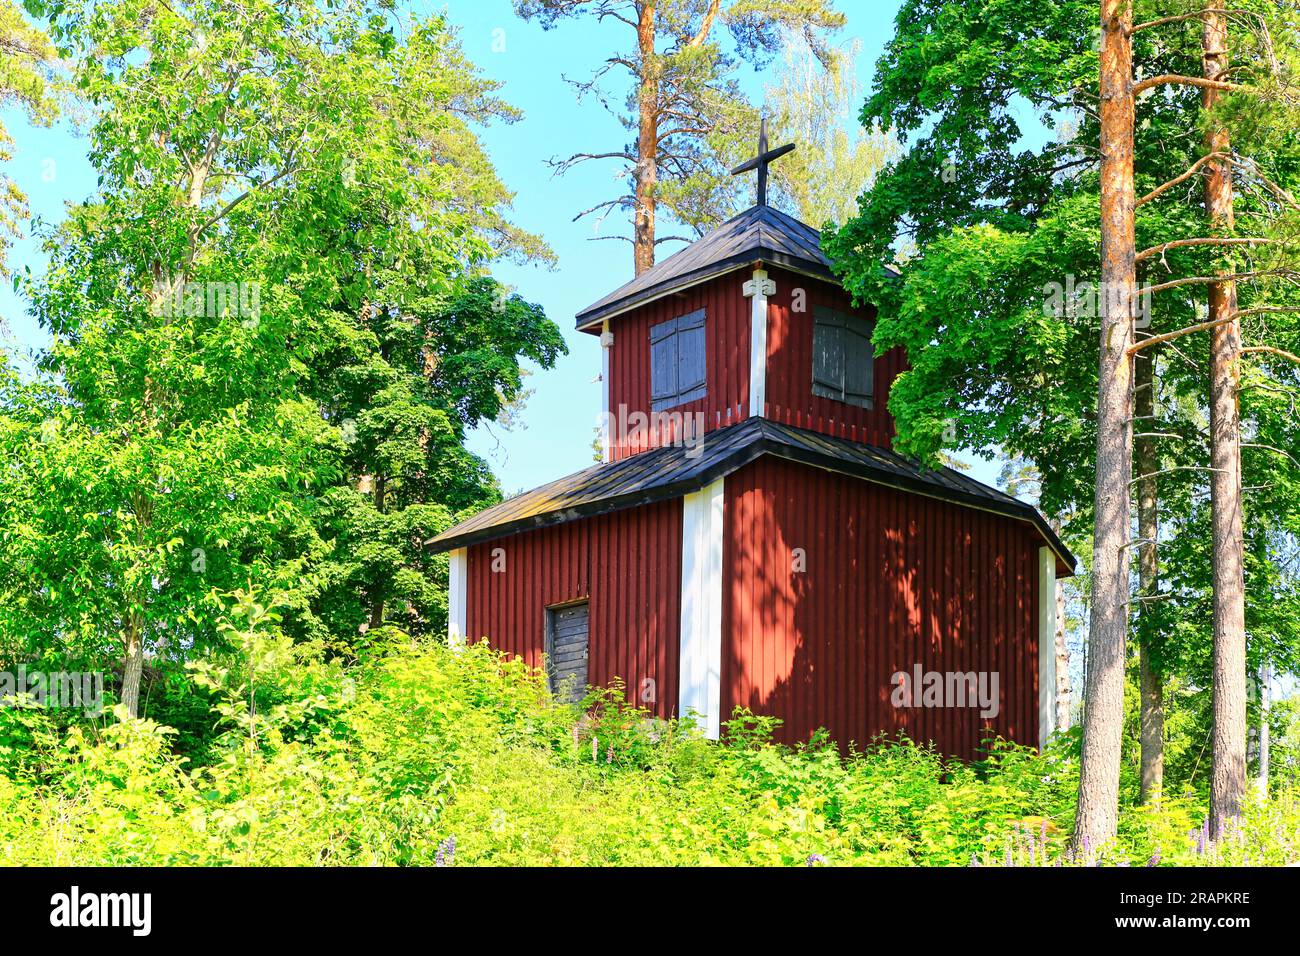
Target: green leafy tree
[(404, 386), (263, 168), (998, 306), (813, 105)]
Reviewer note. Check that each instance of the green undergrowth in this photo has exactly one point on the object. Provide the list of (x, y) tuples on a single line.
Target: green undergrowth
[(419, 755)]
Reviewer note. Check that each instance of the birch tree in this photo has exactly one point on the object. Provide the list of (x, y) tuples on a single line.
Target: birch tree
[(26, 63)]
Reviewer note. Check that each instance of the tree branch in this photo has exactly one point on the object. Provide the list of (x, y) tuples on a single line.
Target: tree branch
[(562, 166), (1182, 243), (624, 201), (1165, 21), (1177, 79), (707, 24), (1169, 336), (1183, 178), (1272, 448), (1289, 356), (1256, 310), (225, 210), (1203, 326), (1166, 471), (1207, 280)]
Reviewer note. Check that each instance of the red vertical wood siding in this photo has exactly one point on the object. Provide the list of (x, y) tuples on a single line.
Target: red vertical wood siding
[(891, 580), (626, 564), (789, 362), (789, 365), (726, 323)]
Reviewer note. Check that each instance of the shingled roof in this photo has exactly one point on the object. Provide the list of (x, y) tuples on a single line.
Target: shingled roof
[(671, 472), (760, 233)]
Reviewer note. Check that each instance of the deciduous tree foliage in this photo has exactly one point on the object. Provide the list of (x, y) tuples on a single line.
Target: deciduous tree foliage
[(265, 169), (404, 386), (1001, 245)]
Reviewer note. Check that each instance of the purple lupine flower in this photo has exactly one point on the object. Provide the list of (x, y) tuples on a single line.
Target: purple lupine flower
[(446, 854), (814, 859), (1155, 859)]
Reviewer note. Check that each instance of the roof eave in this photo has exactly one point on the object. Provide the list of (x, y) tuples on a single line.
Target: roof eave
[(744, 455), (592, 315)]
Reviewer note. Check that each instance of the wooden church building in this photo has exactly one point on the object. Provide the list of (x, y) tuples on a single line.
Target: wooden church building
[(750, 539)]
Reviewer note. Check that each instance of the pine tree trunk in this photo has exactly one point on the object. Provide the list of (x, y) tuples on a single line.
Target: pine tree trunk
[(647, 143), (1151, 681), (1228, 770), (1097, 815)]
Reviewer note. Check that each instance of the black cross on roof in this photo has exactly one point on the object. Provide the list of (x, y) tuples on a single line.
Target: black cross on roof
[(760, 162)]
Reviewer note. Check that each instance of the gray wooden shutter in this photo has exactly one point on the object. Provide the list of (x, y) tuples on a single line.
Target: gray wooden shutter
[(677, 361), (828, 353), (859, 362), (663, 364), (690, 356), (568, 643), (843, 360)]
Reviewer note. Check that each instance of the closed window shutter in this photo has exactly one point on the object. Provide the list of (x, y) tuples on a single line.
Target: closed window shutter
[(690, 356), (677, 361), (828, 354), (859, 362), (843, 360), (663, 364)]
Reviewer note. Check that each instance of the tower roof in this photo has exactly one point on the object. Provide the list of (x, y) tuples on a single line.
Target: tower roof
[(759, 234)]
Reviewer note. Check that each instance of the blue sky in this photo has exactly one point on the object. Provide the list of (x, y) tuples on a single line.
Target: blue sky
[(555, 431)]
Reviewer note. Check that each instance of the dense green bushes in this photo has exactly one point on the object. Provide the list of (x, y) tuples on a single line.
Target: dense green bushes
[(422, 756)]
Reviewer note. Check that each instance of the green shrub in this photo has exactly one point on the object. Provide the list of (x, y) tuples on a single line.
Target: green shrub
[(418, 755)]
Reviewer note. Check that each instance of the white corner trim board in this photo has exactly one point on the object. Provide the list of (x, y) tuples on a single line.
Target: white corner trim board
[(1046, 645), (457, 593), (700, 667), (606, 347), (757, 290)]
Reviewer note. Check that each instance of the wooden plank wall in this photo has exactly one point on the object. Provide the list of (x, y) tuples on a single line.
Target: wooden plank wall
[(626, 564), (890, 580)]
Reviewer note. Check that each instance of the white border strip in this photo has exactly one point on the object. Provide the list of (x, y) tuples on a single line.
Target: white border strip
[(758, 289), (1046, 644), (606, 347), (700, 667), (457, 595)]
